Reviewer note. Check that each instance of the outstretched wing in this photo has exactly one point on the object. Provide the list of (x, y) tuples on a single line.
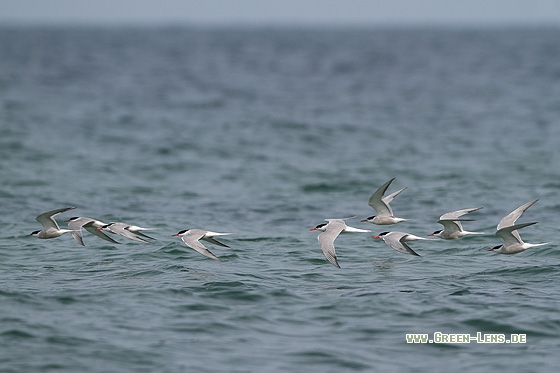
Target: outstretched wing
[(508, 233), (376, 201), (93, 230), (47, 218), (326, 240), (512, 217)]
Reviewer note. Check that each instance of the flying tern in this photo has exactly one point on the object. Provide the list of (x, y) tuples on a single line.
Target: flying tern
[(513, 244), (127, 230), (50, 226), (331, 230), (397, 240), (381, 206), (452, 228), (192, 237), (507, 231)]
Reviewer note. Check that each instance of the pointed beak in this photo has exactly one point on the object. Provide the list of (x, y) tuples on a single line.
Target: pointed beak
[(313, 229), (176, 234), (363, 221), (431, 235), (376, 237)]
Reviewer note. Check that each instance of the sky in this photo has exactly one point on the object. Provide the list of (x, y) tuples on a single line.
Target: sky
[(282, 12)]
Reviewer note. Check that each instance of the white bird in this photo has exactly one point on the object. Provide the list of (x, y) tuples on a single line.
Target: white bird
[(397, 240), (50, 227), (513, 244), (381, 206), (452, 227), (91, 225), (507, 231), (192, 237), (127, 230), (331, 230)]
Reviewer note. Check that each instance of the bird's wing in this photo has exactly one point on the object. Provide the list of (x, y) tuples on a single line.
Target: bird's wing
[(376, 200), (507, 233), (396, 241), (213, 241), (512, 217), (47, 218), (326, 240), (453, 215), (93, 230), (121, 229), (76, 227), (451, 225), (391, 197), (191, 239)]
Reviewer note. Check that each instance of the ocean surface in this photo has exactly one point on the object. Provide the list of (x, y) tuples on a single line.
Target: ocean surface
[(264, 133)]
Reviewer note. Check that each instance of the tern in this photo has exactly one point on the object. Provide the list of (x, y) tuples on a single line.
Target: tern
[(507, 231), (331, 230), (513, 244), (192, 237), (50, 226), (381, 206), (91, 225), (397, 240), (452, 228), (127, 230)]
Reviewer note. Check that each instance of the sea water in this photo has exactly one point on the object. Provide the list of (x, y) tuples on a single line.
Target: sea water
[(264, 133)]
